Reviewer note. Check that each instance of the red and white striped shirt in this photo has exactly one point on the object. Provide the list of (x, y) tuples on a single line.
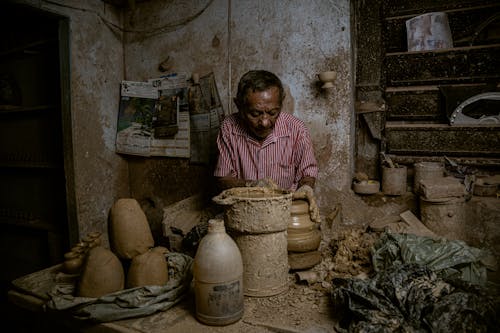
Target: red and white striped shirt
[(285, 156)]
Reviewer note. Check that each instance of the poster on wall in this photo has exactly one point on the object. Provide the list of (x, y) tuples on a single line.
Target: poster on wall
[(153, 118), (167, 116), (135, 116), (171, 123), (205, 120)]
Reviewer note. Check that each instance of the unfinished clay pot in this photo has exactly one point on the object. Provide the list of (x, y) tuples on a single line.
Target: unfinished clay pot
[(102, 274), (93, 239), (148, 269), (130, 234), (73, 262), (303, 234)]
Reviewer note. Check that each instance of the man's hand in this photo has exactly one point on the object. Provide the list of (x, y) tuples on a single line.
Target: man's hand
[(307, 193)]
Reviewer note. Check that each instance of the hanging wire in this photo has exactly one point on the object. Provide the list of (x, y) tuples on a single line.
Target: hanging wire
[(229, 69), (150, 32)]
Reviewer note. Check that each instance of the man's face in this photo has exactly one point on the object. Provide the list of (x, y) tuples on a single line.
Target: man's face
[(261, 112)]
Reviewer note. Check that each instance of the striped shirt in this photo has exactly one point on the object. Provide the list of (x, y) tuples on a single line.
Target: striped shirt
[(285, 156)]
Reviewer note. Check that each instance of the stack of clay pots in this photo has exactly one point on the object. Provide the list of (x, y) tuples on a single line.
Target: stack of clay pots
[(74, 259), (303, 238), (131, 261)]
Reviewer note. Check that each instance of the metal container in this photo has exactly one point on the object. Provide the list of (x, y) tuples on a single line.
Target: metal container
[(446, 217), (394, 180)]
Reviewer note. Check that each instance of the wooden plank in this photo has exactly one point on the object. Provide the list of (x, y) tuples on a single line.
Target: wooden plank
[(458, 65), (414, 105), (466, 161), (442, 139), (410, 7), (369, 106), (411, 89)]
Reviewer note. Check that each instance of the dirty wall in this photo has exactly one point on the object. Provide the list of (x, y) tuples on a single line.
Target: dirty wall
[(96, 68), (294, 39)]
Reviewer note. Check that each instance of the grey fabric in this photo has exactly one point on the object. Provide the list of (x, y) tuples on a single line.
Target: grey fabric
[(128, 303)]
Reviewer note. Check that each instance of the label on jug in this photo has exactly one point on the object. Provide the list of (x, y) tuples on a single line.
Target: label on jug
[(219, 304)]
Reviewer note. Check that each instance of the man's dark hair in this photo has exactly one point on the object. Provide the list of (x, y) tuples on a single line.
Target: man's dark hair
[(257, 80)]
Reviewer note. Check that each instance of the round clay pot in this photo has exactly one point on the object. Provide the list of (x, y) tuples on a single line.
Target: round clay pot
[(303, 236), (73, 262), (93, 239)]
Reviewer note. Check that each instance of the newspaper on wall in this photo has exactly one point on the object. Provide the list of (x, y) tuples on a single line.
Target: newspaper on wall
[(135, 116), (205, 122), (171, 123), (167, 117)]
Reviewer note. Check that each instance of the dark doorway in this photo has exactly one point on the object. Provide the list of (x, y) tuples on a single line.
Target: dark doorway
[(37, 210)]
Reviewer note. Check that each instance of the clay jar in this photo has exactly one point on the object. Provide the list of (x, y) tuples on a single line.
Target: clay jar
[(73, 262), (93, 239), (303, 236)]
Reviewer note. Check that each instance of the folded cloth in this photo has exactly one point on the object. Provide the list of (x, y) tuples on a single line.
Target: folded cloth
[(127, 303)]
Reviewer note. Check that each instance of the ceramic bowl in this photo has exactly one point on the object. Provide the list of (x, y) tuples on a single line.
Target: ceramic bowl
[(366, 186)]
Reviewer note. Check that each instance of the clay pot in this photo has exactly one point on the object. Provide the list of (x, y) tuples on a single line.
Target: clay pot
[(303, 235), (93, 239), (73, 262)]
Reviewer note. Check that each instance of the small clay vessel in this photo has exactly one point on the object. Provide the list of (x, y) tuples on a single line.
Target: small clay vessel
[(303, 235), (73, 262), (93, 239)]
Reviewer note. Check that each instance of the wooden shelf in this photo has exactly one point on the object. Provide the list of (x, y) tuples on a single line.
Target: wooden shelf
[(404, 138), (475, 64), (29, 160), (4, 109), (35, 224), (31, 165), (30, 47)]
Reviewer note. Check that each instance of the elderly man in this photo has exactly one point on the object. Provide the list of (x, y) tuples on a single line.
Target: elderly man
[(260, 145)]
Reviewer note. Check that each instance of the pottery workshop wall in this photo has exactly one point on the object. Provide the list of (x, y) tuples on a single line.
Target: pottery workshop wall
[(96, 69), (294, 39)]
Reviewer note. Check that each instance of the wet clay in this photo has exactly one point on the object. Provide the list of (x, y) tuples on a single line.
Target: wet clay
[(257, 218), (265, 263), (256, 209)]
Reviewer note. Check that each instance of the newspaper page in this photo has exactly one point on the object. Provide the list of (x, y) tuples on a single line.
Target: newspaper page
[(205, 123), (135, 116), (171, 123)]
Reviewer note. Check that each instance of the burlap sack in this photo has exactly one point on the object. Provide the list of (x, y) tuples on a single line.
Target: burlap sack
[(148, 269), (129, 231), (102, 274)]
